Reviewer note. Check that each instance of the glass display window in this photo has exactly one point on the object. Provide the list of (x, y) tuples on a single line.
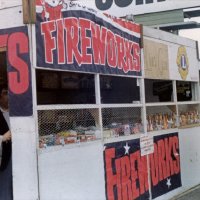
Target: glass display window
[(57, 87), (118, 90), (75, 117), (158, 91), (186, 91)]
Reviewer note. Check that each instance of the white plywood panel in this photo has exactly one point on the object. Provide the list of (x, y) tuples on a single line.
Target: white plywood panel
[(168, 37), (11, 17), (72, 173), (77, 173), (9, 3), (190, 156), (25, 178), (173, 52)]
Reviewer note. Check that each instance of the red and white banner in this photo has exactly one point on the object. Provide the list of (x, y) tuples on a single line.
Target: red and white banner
[(77, 38), (126, 170), (19, 70)]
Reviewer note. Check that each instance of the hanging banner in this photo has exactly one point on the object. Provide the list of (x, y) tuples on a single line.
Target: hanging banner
[(126, 171), (75, 38), (16, 43), (165, 165)]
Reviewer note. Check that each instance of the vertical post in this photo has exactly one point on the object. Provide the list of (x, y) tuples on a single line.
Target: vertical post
[(29, 14), (98, 102), (33, 11), (97, 89), (142, 93)]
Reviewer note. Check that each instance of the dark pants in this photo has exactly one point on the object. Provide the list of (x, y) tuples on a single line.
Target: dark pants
[(6, 189)]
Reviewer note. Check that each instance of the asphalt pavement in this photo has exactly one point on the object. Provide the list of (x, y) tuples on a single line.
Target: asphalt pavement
[(192, 194)]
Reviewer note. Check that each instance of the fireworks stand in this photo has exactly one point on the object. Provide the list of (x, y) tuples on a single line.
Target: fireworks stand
[(100, 108)]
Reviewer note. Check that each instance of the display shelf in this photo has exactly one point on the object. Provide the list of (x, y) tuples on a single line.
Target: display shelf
[(124, 138), (50, 149), (160, 104), (189, 126), (161, 117), (121, 105), (121, 121), (65, 106), (187, 102), (62, 127), (172, 130), (189, 115)]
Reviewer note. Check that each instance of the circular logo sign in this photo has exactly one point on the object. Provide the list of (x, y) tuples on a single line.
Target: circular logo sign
[(182, 62)]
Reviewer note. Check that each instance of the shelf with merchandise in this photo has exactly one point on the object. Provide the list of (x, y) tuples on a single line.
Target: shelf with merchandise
[(122, 121), (62, 127), (161, 118), (189, 115)]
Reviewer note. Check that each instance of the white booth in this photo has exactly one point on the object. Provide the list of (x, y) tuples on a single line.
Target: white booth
[(100, 108)]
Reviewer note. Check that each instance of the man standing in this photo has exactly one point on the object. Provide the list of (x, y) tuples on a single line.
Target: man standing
[(6, 192)]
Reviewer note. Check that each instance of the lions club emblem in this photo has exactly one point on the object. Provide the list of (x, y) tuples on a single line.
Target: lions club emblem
[(182, 62)]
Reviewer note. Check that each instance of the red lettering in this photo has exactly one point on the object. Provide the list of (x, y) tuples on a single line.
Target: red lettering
[(3, 40), (120, 51), (134, 174), (169, 160), (112, 180), (129, 56), (143, 174), (71, 25), (19, 79), (85, 41), (99, 44), (176, 155), (161, 160), (60, 41), (165, 161), (154, 166), (49, 42), (118, 172), (111, 50), (136, 55), (126, 182)]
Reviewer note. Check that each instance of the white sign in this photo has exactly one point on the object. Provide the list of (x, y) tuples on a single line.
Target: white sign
[(183, 63), (182, 60), (146, 145), (121, 8)]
